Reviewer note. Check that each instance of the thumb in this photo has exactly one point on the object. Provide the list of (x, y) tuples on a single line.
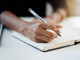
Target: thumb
[(58, 26)]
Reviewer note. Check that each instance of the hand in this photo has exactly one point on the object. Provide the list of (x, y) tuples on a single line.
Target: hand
[(50, 21), (54, 18), (38, 32), (62, 12)]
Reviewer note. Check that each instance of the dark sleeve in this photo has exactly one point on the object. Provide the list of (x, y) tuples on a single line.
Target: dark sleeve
[(2, 6), (58, 4), (1, 10)]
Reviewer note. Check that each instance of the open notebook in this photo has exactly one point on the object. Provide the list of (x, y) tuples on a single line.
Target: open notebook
[(70, 36)]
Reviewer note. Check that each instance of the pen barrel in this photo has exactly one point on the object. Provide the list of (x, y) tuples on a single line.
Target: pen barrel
[(36, 15)]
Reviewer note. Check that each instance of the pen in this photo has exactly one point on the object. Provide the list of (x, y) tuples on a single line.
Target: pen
[(37, 16)]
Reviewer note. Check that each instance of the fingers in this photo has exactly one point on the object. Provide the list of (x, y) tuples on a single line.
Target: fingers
[(43, 38), (44, 35), (44, 32), (46, 26), (58, 31), (38, 32), (50, 27), (53, 28), (40, 41), (58, 26)]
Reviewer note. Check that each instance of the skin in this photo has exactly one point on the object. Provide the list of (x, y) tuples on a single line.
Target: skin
[(55, 17), (62, 12), (36, 31)]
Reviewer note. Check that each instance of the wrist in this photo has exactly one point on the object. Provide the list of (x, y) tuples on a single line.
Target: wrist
[(55, 17), (23, 25), (62, 12)]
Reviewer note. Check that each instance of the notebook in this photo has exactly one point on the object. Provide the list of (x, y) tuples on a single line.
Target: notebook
[(1, 27), (70, 36)]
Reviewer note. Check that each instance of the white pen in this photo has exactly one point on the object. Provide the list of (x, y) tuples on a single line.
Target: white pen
[(37, 16)]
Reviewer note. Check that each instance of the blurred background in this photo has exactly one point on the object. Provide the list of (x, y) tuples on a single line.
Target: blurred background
[(12, 49), (73, 7)]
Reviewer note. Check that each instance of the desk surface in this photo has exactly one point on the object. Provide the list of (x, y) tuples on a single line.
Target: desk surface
[(13, 49)]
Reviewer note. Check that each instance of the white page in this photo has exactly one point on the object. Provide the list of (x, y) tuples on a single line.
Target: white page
[(68, 33), (67, 30)]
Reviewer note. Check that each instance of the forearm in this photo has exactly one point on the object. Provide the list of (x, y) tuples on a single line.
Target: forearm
[(58, 15), (11, 21), (59, 10)]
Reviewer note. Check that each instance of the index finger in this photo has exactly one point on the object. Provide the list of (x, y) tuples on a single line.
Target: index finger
[(47, 26), (44, 25), (53, 28)]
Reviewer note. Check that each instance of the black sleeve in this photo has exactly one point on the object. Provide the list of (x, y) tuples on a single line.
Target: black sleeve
[(1, 10), (58, 4), (3, 6)]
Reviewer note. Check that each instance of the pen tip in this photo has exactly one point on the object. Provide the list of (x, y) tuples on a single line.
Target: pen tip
[(59, 35)]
